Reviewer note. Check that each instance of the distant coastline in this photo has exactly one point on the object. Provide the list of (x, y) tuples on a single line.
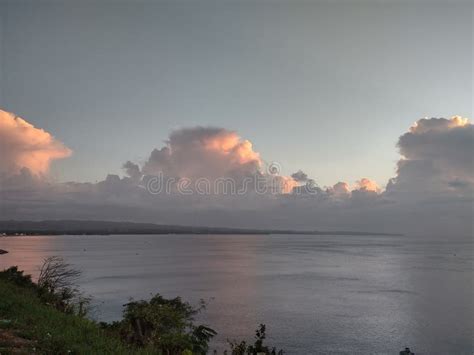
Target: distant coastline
[(86, 227)]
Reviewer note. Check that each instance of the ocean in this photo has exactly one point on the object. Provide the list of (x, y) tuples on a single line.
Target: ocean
[(316, 294)]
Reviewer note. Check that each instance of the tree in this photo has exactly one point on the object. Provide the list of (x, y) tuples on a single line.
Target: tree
[(165, 324)]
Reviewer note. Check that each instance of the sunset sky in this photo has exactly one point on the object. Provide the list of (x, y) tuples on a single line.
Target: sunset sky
[(369, 101), (302, 165), (322, 86)]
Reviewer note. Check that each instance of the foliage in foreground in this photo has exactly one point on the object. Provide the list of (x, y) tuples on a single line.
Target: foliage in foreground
[(58, 281), (257, 348), (49, 330), (49, 317), (167, 325), (56, 285)]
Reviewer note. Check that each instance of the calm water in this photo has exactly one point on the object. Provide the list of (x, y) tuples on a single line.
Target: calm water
[(317, 294)]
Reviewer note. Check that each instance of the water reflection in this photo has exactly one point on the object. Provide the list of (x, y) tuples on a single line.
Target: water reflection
[(28, 253)]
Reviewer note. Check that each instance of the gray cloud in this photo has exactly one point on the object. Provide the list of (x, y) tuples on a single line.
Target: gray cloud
[(132, 170), (431, 193), (300, 176), (437, 159)]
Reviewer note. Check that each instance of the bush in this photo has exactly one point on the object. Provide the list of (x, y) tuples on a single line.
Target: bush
[(17, 277), (257, 348), (165, 324), (57, 284), (158, 326), (36, 328)]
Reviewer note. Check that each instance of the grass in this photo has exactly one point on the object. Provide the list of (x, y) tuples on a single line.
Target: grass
[(32, 321), (28, 325)]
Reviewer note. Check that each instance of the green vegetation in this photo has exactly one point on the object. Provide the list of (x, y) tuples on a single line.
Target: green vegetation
[(32, 324), (48, 317), (166, 325), (257, 348)]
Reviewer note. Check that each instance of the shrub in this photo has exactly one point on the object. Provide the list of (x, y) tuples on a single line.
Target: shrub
[(12, 274), (57, 284), (257, 348), (165, 324)]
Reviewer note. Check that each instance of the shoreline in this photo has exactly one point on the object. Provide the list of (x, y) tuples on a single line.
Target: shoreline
[(86, 227)]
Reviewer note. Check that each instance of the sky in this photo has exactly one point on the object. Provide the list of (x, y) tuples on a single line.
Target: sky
[(328, 115), (323, 86)]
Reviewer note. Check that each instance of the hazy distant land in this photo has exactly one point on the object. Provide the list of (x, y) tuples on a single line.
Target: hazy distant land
[(73, 227)]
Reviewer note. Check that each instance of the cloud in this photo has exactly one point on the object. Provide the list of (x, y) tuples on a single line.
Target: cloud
[(214, 156), (340, 189), (204, 152), (432, 192), (300, 176), (437, 159), (24, 146), (132, 170), (430, 125), (367, 185), (362, 186)]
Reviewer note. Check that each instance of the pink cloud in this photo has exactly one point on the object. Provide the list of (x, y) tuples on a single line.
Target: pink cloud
[(24, 146)]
